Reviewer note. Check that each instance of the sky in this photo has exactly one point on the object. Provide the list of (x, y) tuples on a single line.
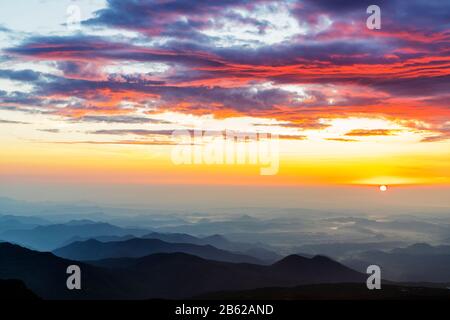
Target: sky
[(91, 92)]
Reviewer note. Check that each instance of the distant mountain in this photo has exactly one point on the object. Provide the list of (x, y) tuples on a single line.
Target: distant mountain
[(53, 236), (15, 290), (10, 222), (262, 254), (99, 238), (255, 250), (221, 242), (174, 275), (423, 249), (138, 247), (417, 263), (175, 237), (341, 291), (339, 250)]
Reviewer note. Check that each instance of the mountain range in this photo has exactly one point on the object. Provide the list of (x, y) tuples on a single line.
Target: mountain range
[(11, 222), (164, 275), (139, 247), (418, 262), (50, 237), (261, 252)]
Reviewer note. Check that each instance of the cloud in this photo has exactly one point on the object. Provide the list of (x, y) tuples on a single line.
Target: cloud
[(12, 122), (342, 140), (138, 132), (436, 138), (50, 130), (121, 142), (121, 119), (4, 29), (371, 132), (20, 75), (179, 19), (339, 67)]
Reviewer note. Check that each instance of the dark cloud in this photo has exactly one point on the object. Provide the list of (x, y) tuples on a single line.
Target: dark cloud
[(19, 98), (412, 14), (20, 75), (418, 86), (406, 60), (121, 119), (50, 130), (12, 122), (123, 142), (138, 132), (179, 19)]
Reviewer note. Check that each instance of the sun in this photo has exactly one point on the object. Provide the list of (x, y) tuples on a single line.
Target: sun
[(383, 188)]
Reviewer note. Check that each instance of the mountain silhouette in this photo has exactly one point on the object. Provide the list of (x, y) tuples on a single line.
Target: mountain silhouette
[(138, 247), (340, 250), (164, 275), (199, 275), (220, 242), (50, 237), (423, 249), (317, 269), (417, 263), (342, 291), (45, 274), (9, 222), (15, 290)]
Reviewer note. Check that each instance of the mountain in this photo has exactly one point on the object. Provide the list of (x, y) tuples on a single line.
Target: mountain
[(45, 274), (341, 291), (138, 247), (315, 270), (175, 237), (338, 250), (15, 290), (221, 242), (200, 276), (262, 254), (255, 250), (10, 222), (418, 263), (423, 249), (164, 275), (99, 238), (53, 236)]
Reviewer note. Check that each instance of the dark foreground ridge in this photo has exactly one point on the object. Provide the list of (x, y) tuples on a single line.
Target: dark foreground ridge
[(15, 290), (341, 291)]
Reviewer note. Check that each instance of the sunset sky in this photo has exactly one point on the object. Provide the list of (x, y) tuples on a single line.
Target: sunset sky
[(97, 103)]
